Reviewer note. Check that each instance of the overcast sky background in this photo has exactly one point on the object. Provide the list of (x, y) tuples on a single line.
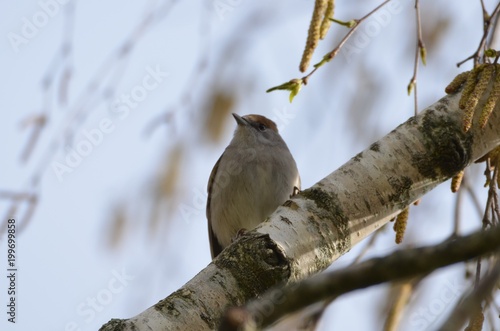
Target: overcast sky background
[(96, 234)]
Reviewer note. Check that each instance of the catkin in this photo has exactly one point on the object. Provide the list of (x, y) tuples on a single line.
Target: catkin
[(456, 181), (492, 99), (470, 83), (325, 25), (400, 224), (473, 99), (313, 33), (457, 82)]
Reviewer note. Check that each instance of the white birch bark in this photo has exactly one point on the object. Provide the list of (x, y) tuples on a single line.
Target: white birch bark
[(311, 230)]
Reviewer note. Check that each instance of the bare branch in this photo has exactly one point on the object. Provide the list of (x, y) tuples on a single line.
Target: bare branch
[(469, 306), (488, 21), (419, 53), (396, 266)]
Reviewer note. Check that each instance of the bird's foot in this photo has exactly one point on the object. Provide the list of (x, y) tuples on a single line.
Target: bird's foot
[(295, 191), (239, 234)]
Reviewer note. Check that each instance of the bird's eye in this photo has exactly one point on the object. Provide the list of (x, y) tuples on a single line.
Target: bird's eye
[(262, 127)]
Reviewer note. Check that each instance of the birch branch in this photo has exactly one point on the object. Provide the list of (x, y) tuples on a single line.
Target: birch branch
[(399, 265), (314, 228), (472, 303)]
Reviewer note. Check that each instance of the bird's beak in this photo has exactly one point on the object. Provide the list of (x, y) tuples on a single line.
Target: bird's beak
[(240, 120)]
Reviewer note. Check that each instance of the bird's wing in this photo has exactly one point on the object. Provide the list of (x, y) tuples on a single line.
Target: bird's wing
[(215, 246)]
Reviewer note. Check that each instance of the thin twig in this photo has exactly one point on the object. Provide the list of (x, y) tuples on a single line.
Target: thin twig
[(28, 214), (457, 213), (16, 196), (490, 203), (473, 197), (317, 314), (419, 47), (495, 212), (468, 306), (335, 51), (89, 99), (483, 7), (38, 124), (94, 94), (368, 245), (11, 212), (192, 83), (487, 22), (396, 266), (400, 300), (57, 62), (494, 34)]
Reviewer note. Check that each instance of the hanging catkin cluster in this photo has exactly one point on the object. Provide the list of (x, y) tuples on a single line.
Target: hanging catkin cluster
[(475, 84), (318, 28)]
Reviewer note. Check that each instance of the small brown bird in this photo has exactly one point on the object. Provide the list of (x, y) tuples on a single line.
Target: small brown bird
[(255, 174)]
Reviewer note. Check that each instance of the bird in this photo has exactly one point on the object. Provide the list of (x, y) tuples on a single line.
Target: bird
[(255, 174)]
